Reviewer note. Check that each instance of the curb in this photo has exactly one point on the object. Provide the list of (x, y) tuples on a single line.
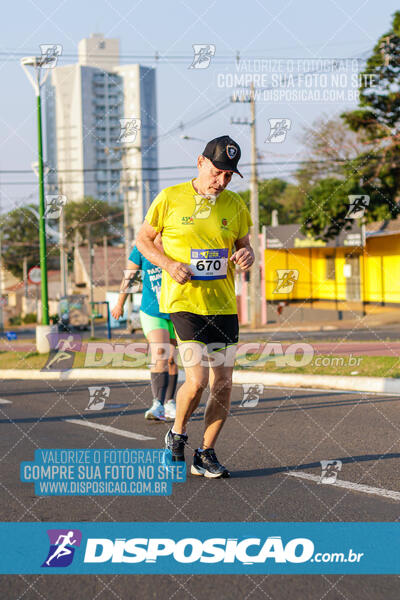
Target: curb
[(330, 382)]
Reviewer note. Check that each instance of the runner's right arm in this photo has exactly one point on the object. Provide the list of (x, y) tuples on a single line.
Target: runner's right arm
[(180, 272), (118, 309)]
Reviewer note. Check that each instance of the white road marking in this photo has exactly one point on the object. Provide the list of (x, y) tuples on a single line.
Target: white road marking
[(304, 389), (4, 401), (327, 391), (355, 487), (122, 432)]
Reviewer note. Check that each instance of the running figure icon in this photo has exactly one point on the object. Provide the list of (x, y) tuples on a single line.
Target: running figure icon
[(62, 549), (63, 347)]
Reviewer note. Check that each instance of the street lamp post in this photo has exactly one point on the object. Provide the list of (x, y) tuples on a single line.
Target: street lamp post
[(43, 342), (37, 82), (255, 275), (255, 279)]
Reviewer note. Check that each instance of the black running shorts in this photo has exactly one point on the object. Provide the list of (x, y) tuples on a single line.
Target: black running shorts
[(206, 329)]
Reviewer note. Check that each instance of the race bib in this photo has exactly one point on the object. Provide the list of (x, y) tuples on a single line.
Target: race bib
[(209, 264)]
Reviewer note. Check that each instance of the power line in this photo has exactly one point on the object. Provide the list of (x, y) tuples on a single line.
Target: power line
[(170, 168), (245, 174), (224, 104), (221, 105), (88, 181), (157, 56)]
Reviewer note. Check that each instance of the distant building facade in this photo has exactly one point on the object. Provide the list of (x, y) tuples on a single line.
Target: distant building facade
[(85, 144)]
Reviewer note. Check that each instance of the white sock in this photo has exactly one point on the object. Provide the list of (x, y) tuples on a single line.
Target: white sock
[(176, 433)]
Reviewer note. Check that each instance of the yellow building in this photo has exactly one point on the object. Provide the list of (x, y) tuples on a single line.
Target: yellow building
[(343, 273)]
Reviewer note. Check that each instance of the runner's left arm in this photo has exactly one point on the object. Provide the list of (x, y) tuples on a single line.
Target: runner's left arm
[(243, 255)]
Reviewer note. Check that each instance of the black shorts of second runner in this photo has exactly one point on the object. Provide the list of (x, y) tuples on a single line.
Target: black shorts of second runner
[(214, 331)]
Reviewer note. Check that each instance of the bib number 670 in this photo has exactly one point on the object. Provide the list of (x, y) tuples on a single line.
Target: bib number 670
[(206, 265)]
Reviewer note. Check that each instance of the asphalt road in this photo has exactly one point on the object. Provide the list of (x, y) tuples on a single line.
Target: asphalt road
[(287, 430)]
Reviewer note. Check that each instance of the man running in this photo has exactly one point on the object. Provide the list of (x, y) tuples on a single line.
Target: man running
[(205, 231)]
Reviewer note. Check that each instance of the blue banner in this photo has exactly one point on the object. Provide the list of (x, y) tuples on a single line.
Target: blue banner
[(81, 472), (200, 548)]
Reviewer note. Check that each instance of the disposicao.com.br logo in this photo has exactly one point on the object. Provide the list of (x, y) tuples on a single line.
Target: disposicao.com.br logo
[(62, 547), (200, 547), (247, 551)]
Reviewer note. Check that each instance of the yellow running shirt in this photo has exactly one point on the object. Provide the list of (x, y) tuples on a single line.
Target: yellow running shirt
[(201, 232)]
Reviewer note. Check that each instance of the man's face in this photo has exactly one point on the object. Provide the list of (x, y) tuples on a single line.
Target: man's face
[(213, 180)]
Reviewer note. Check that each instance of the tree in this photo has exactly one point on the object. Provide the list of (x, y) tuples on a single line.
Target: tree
[(20, 239), (322, 214), (20, 235), (271, 196), (375, 170), (104, 219), (378, 121), (329, 145), (292, 200)]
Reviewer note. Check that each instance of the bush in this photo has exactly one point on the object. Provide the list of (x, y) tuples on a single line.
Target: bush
[(30, 318), (15, 320)]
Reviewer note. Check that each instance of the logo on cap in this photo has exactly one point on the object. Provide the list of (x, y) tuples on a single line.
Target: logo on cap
[(231, 151)]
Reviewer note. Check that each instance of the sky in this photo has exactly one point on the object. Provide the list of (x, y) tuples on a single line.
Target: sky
[(280, 40)]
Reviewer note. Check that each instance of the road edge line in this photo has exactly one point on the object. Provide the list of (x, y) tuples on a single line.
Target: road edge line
[(349, 485)]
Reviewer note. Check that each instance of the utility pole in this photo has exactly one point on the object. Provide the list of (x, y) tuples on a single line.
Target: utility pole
[(126, 181), (128, 242), (255, 278), (91, 253), (105, 248), (63, 254), (255, 273), (127, 225), (63, 258), (25, 278), (126, 186), (364, 275), (147, 187)]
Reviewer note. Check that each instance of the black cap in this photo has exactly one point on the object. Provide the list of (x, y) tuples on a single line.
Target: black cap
[(224, 153)]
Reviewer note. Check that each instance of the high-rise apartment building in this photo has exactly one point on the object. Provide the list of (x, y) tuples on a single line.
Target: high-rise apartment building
[(101, 128)]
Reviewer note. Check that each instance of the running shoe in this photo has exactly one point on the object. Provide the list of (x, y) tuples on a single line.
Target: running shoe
[(156, 412), (206, 463), (175, 444), (170, 410)]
